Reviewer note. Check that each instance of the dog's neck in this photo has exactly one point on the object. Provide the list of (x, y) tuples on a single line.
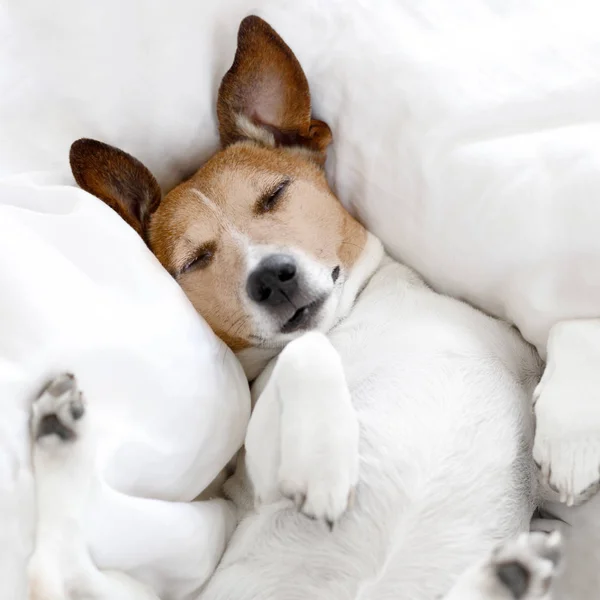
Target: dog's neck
[(255, 359)]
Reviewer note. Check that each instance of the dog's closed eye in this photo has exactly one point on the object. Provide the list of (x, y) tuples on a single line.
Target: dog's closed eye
[(271, 199), (200, 259)]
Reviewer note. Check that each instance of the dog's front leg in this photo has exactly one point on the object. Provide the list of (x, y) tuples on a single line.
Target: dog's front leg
[(521, 569), (302, 440), (567, 409)]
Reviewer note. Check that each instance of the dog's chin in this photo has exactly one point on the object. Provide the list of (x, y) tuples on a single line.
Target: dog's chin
[(305, 318), (277, 332)]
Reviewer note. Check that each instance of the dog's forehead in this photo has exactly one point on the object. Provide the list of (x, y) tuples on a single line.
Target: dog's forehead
[(222, 194), (250, 166), (232, 178)]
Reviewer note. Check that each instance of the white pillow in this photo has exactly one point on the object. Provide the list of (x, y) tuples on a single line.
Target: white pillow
[(467, 137), (82, 293)]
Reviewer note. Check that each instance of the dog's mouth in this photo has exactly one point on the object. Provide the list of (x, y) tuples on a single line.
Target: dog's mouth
[(303, 318)]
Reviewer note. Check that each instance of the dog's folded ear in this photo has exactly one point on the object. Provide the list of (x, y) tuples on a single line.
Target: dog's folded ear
[(117, 178), (265, 96)]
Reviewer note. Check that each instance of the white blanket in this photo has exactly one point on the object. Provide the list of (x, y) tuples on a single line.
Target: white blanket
[(82, 293), (466, 135)]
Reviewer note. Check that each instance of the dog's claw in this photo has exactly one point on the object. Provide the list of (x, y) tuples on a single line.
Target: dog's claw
[(299, 500)]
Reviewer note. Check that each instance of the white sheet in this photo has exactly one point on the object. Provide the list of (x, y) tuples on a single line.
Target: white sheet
[(82, 293), (466, 135)]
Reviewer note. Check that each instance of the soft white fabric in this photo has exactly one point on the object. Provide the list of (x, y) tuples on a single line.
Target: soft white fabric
[(466, 136), (80, 292)]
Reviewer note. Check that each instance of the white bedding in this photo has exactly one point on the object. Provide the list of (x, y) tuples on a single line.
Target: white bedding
[(466, 135), (82, 293)]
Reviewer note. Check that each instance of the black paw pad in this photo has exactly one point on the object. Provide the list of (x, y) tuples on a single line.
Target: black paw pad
[(51, 425), (515, 577)]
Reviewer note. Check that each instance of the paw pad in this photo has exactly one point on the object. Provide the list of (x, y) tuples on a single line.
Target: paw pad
[(527, 566), (58, 409)]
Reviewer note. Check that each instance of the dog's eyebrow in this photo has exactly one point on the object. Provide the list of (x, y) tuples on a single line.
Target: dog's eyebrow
[(271, 195), (189, 256)]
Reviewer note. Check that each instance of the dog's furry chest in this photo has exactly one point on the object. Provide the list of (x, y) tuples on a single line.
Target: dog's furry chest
[(441, 393), (400, 331), (417, 362), (421, 367)]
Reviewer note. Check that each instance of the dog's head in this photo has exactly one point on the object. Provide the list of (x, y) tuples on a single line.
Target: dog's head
[(256, 238)]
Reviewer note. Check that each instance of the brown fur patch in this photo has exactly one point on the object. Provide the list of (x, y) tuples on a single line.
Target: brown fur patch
[(217, 205)]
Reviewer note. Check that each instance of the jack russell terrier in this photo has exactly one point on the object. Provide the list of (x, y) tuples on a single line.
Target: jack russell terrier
[(389, 453)]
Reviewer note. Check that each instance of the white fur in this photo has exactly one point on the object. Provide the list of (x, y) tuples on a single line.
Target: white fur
[(567, 408), (314, 464), (254, 132), (441, 395)]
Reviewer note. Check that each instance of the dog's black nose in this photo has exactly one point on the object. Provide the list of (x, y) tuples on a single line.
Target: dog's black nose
[(273, 281)]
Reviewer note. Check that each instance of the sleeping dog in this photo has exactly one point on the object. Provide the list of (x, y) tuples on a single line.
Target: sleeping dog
[(389, 450)]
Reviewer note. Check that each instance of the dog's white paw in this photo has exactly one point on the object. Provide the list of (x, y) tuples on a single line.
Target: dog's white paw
[(567, 410), (316, 497), (526, 567), (57, 412), (569, 467), (45, 580), (319, 429)]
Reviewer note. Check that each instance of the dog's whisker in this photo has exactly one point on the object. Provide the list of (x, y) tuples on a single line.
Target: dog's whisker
[(347, 243), (242, 318)]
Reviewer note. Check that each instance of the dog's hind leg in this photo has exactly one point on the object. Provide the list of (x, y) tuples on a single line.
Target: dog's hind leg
[(522, 569), (63, 453)]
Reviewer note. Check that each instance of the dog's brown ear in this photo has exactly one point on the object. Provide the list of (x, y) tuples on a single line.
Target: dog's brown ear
[(265, 96), (118, 179)]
